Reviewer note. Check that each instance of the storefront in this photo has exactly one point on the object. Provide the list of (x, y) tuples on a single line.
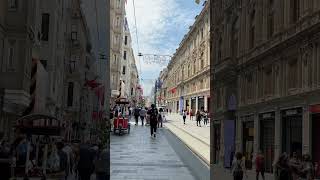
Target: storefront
[(208, 106), (247, 139), (187, 105), (200, 102), (315, 120), (229, 142), (267, 131), (292, 131)]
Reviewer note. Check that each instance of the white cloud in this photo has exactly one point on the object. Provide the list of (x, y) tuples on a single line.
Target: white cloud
[(157, 21)]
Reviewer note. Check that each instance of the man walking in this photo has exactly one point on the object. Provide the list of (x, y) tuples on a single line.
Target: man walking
[(198, 118), (184, 116), (153, 113), (142, 114), (136, 115)]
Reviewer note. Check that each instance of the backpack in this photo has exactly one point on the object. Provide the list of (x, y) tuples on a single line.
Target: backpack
[(238, 172), (153, 115)]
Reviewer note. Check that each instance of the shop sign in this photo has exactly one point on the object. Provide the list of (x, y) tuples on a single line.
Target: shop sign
[(315, 108), (200, 97), (267, 115), (291, 112)]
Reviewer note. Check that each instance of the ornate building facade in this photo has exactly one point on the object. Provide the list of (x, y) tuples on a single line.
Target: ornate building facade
[(187, 76), (266, 73)]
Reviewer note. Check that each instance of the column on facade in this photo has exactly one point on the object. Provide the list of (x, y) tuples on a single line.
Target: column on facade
[(277, 135), (206, 103), (256, 137), (197, 101), (306, 122)]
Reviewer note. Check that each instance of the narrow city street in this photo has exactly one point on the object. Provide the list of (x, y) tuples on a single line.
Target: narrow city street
[(138, 156)]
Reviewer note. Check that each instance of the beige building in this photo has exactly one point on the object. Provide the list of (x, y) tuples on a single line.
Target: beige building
[(117, 28), (266, 80), (187, 77), (129, 71)]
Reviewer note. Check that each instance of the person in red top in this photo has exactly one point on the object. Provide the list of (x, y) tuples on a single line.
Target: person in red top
[(260, 165)]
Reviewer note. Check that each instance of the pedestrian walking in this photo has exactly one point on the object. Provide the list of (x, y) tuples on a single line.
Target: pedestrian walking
[(160, 120), (136, 115), (198, 118), (85, 164), (153, 120), (101, 164), (238, 167), (295, 166), (205, 118), (184, 116), (142, 114), (308, 170), (191, 114), (260, 165), (282, 168)]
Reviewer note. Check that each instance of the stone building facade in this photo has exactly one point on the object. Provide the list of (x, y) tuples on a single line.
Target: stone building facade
[(187, 79), (266, 76), (117, 28), (45, 59)]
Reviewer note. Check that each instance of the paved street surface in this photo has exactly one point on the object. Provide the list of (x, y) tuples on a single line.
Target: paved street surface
[(138, 156), (196, 138)]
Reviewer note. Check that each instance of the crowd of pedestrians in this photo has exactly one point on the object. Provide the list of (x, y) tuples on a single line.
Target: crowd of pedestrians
[(201, 116), (285, 168)]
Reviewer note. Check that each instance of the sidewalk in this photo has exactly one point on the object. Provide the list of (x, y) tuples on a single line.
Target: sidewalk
[(138, 156), (196, 138)]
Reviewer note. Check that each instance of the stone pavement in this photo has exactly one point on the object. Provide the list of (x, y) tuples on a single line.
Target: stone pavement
[(140, 157), (196, 138)]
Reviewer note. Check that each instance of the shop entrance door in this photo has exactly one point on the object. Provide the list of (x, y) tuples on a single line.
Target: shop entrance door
[(292, 133), (267, 127), (248, 136), (200, 102)]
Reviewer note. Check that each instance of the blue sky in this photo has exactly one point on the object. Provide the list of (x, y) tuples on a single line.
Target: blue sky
[(161, 27)]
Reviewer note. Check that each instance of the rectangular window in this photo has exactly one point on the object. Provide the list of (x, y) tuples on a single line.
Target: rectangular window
[(70, 94), (12, 4), (292, 75), (268, 81), (125, 55), (294, 10), (45, 27), (270, 25), (252, 32), (123, 70), (10, 57), (125, 40)]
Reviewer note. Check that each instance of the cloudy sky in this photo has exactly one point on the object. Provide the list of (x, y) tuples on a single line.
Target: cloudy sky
[(161, 27)]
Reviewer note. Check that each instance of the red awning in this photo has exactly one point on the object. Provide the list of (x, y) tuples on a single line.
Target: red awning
[(315, 108)]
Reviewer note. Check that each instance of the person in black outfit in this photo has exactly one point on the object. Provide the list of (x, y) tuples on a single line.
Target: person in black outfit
[(153, 113), (136, 115), (85, 164)]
